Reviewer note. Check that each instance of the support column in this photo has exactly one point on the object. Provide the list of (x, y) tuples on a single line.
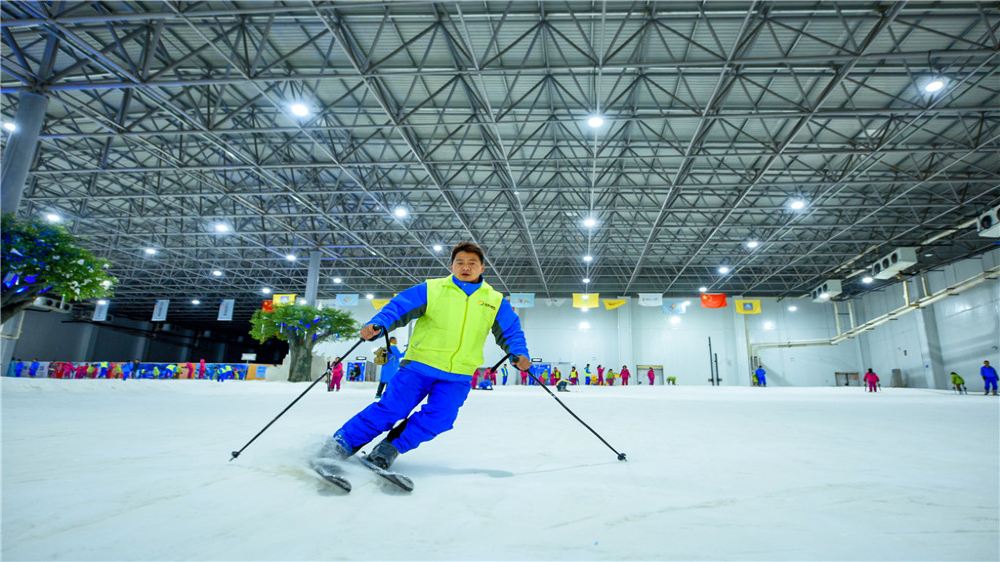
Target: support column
[(20, 152), (930, 349), (312, 280), (626, 353)]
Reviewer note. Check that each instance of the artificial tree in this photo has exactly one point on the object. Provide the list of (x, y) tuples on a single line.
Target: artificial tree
[(302, 326), (39, 258)]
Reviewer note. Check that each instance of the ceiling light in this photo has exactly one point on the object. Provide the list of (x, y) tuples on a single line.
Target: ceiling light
[(590, 222), (824, 296), (338, 280), (266, 290), (595, 121), (867, 279), (934, 85), (216, 273), (928, 255), (290, 257), (221, 227), (588, 258), (586, 280), (437, 247), (768, 325), (102, 302), (723, 269), (150, 251), (675, 320), (702, 289), (9, 127), (53, 217), (752, 244), (369, 296), (302, 301), (792, 308), (583, 325), (299, 109), (195, 301), (797, 204), (400, 212)]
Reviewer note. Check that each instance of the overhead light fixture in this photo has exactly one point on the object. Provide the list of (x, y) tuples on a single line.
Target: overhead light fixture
[(934, 85), (797, 204), (437, 247), (400, 212), (149, 251), (588, 258), (216, 273), (867, 279), (9, 127), (369, 296), (195, 301), (768, 325), (290, 257), (675, 320), (824, 296), (723, 269), (299, 109), (751, 244), (590, 222), (595, 121), (586, 280), (338, 280), (792, 308), (302, 301), (102, 302), (53, 217), (222, 227), (266, 290), (702, 289), (583, 325)]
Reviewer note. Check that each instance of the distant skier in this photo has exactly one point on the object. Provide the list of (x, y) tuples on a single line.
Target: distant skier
[(454, 315), (389, 369), (959, 383), (336, 370), (624, 374), (989, 375), (761, 376), (574, 377), (872, 379), (503, 372), (600, 375), (524, 376), (651, 375), (561, 386)]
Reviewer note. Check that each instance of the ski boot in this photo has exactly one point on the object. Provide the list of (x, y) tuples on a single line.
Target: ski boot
[(333, 451), (383, 455)]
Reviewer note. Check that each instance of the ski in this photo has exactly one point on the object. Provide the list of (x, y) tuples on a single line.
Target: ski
[(330, 473), (396, 479)]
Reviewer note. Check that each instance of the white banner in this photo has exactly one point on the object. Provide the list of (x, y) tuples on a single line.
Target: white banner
[(160, 310), (226, 310), (522, 300), (554, 302), (650, 299), (347, 299), (100, 311)]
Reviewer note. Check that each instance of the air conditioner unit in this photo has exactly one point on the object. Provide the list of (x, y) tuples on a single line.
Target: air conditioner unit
[(48, 304), (897, 261), (827, 290), (989, 223)]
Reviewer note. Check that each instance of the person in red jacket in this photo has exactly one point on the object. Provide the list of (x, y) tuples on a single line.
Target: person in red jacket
[(624, 374), (524, 377), (652, 376), (336, 375), (872, 379), (600, 375)]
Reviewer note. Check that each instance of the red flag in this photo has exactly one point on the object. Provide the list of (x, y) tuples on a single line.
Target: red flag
[(713, 300), (267, 306)]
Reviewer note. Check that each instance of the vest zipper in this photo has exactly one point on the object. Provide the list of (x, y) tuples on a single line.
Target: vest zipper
[(461, 335)]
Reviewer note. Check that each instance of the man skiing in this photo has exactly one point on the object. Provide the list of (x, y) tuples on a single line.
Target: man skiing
[(761, 375), (989, 375), (872, 379), (454, 315)]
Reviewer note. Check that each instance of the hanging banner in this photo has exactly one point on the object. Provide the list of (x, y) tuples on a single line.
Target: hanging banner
[(611, 304), (226, 310), (160, 310), (586, 300), (379, 303), (650, 299), (713, 300), (100, 311), (347, 299), (676, 306), (522, 300), (281, 300), (748, 306), (554, 302), (267, 306)]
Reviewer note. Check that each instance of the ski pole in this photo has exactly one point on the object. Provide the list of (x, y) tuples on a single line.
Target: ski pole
[(237, 453), (621, 456)]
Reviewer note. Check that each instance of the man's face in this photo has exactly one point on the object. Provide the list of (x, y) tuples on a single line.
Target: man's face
[(467, 267)]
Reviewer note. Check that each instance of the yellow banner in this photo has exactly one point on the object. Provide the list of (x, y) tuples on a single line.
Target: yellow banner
[(379, 303), (748, 306), (611, 304), (586, 300), (280, 300)]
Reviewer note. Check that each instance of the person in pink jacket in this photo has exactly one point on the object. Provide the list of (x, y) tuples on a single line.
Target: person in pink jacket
[(336, 375), (600, 375), (872, 379), (652, 376), (624, 374)]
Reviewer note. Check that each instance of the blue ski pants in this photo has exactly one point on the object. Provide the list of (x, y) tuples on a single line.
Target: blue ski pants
[(990, 382), (409, 387)]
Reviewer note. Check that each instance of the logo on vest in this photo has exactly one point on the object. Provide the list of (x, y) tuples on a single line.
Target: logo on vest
[(487, 305)]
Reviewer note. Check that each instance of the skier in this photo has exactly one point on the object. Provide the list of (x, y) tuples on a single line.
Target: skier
[(989, 375), (201, 369), (336, 375), (574, 377), (872, 379), (524, 376), (561, 386), (454, 315), (609, 377), (761, 375), (485, 384), (959, 383), (503, 371), (600, 375), (624, 374), (33, 368), (390, 367), (586, 374), (651, 375), (557, 374)]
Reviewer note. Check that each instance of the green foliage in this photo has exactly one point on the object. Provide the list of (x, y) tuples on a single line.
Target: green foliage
[(41, 258), (302, 325)]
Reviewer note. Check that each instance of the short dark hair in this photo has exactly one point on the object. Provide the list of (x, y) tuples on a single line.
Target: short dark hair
[(470, 248)]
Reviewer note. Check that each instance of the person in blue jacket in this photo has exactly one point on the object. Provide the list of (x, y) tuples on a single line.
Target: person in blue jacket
[(761, 376), (387, 371), (989, 375), (454, 315), (33, 368)]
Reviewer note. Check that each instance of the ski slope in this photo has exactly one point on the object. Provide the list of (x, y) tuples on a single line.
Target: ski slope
[(139, 470)]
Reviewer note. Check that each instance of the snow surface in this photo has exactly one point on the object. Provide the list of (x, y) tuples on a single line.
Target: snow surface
[(121, 470)]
